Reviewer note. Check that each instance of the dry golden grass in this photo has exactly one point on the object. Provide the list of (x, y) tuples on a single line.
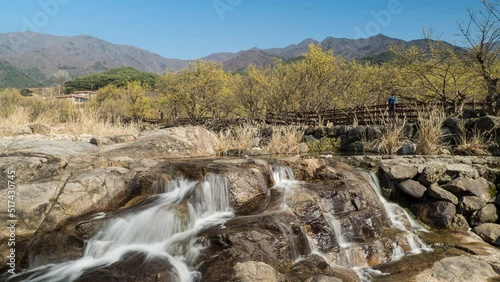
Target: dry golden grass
[(224, 142), (88, 121), (240, 138), (476, 145), (285, 139), (392, 136), (81, 121), (245, 135), (429, 131), (19, 117)]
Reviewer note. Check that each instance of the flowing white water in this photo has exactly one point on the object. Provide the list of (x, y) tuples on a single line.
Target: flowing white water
[(397, 252), (285, 178), (166, 229), (401, 219), (337, 229)]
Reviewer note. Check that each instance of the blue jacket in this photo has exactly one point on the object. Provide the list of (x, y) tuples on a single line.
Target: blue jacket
[(392, 100)]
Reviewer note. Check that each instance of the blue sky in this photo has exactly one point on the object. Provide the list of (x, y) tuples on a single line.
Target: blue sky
[(189, 29)]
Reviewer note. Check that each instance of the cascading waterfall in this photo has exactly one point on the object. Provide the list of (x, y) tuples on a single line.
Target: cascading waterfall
[(166, 229), (337, 229), (285, 179), (400, 219)]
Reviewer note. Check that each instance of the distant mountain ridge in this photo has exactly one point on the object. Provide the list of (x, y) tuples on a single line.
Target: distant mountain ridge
[(30, 58), (39, 55)]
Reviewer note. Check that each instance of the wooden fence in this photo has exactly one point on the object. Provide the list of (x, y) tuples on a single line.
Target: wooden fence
[(368, 114), (361, 115)]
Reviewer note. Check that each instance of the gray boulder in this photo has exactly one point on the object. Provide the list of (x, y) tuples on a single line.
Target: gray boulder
[(432, 173), (407, 149), (459, 222), (468, 186), (438, 193), (399, 172), (173, 142), (357, 146), (355, 134), (488, 214), (373, 133), (461, 170), (489, 232), (248, 189), (469, 204), (412, 188), (442, 213)]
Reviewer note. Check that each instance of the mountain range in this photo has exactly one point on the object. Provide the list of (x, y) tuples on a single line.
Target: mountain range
[(31, 59)]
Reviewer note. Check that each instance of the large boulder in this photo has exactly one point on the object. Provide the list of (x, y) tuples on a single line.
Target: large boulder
[(438, 193), (412, 188), (442, 213), (469, 204), (33, 201), (489, 232), (407, 148), (59, 149), (458, 268), (248, 189), (355, 134), (399, 172), (176, 142), (373, 133), (274, 239), (439, 214), (465, 186), (455, 170), (487, 214), (432, 173)]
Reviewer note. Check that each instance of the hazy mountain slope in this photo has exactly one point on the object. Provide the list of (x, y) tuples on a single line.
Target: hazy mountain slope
[(36, 56), (79, 55), (245, 58), (11, 76)]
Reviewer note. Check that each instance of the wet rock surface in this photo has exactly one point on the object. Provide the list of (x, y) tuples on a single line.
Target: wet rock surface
[(276, 234)]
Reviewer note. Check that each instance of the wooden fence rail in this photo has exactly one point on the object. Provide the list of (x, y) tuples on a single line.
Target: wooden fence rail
[(368, 114), (363, 115)]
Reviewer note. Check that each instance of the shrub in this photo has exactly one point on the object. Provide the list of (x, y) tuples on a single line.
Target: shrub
[(476, 144), (285, 139), (429, 131), (325, 144), (391, 139)]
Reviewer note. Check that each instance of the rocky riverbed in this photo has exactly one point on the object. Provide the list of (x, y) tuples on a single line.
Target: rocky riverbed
[(179, 213)]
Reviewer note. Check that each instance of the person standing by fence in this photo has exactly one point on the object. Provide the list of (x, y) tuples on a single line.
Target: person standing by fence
[(391, 103)]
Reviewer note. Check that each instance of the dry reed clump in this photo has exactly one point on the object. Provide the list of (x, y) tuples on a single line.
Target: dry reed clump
[(88, 121), (476, 144), (240, 138), (81, 121), (391, 138), (284, 140), (429, 131), (20, 116)]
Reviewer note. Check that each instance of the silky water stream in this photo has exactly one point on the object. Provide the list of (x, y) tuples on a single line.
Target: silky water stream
[(167, 226), (166, 229), (399, 219)]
